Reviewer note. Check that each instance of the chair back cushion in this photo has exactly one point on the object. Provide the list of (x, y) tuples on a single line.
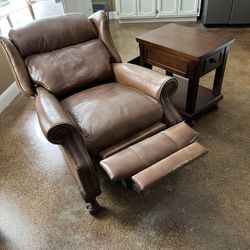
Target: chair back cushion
[(72, 68), (63, 53), (52, 33)]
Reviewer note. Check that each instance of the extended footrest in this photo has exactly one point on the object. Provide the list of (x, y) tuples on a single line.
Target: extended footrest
[(166, 166), (155, 157)]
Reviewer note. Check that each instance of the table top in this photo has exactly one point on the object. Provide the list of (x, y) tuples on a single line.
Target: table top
[(186, 41)]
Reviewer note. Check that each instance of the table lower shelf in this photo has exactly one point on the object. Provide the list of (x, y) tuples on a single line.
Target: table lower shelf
[(205, 100)]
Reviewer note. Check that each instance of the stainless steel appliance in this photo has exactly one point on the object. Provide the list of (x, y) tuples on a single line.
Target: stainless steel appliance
[(226, 12)]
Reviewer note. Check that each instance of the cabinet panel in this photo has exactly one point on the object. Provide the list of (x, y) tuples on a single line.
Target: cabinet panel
[(146, 8), (127, 8), (82, 6), (240, 12), (188, 7), (132, 9), (167, 7)]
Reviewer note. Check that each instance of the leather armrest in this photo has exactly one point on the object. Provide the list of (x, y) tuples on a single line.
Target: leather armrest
[(59, 128), (54, 121), (154, 84), (147, 81)]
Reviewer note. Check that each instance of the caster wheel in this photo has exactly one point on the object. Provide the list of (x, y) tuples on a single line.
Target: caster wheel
[(93, 207)]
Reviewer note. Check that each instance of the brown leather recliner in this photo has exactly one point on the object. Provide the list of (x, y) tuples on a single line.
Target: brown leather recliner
[(96, 107)]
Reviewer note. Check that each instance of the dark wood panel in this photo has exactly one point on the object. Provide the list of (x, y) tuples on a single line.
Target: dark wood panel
[(184, 41), (166, 61), (205, 99), (212, 62), (190, 53)]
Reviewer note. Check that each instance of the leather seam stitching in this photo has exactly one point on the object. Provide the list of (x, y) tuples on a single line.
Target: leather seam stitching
[(139, 157), (178, 146)]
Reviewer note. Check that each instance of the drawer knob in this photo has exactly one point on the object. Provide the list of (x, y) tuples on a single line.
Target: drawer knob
[(212, 60)]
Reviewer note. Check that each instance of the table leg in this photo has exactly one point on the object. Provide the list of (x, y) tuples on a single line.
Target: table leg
[(169, 73), (219, 75), (193, 86), (142, 58)]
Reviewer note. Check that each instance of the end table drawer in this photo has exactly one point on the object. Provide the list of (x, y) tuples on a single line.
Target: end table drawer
[(213, 61), (166, 60)]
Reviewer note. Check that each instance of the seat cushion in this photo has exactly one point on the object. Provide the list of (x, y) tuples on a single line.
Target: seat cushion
[(109, 113), (72, 68)]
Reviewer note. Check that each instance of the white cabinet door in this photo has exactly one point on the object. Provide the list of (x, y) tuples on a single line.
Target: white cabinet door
[(146, 8), (82, 6), (188, 7), (127, 8), (167, 7)]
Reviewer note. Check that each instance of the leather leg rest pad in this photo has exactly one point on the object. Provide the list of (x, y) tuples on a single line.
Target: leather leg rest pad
[(166, 166), (134, 159), (152, 130)]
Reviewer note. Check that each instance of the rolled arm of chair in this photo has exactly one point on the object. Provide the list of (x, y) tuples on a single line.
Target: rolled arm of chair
[(154, 84), (59, 128), (147, 81), (53, 119)]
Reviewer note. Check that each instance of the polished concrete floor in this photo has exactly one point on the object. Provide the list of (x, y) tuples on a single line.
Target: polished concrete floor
[(203, 206)]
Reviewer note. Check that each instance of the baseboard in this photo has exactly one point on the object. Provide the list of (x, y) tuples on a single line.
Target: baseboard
[(113, 15), (157, 20), (8, 96)]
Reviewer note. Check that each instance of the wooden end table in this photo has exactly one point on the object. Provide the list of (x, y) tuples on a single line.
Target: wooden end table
[(190, 53)]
